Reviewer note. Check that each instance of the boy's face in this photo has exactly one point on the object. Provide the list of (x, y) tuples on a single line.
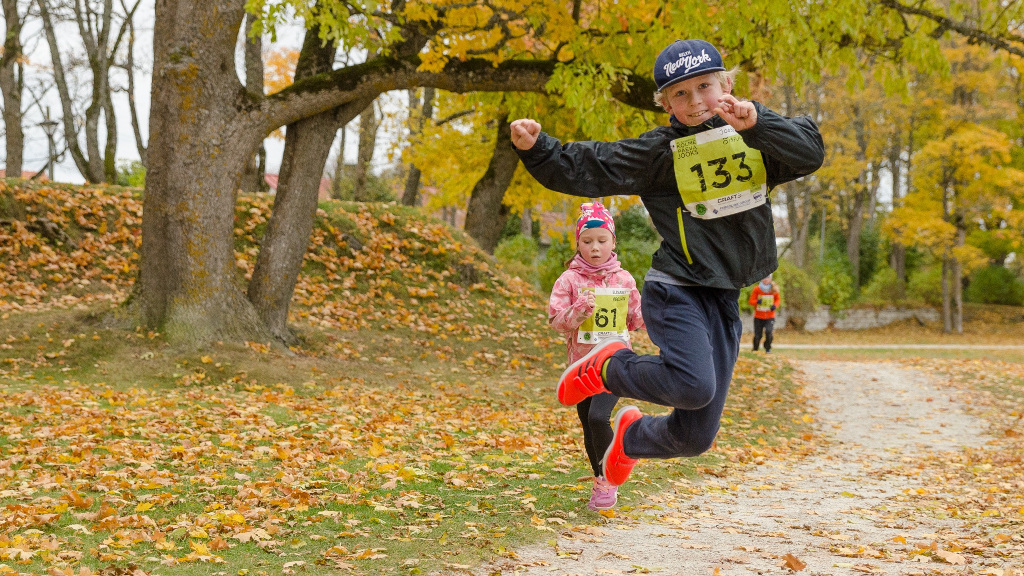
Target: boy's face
[(596, 245), (693, 101)]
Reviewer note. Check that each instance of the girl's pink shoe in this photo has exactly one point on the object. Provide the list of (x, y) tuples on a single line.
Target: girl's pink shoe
[(603, 496)]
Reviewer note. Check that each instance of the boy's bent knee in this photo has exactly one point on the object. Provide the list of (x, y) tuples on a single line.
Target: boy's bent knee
[(689, 395)]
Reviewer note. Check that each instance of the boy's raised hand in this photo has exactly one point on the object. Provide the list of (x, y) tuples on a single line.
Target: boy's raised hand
[(524, 133), (740, 114)]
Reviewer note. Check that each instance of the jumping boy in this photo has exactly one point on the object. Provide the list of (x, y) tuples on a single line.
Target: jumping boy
[(705, 180)]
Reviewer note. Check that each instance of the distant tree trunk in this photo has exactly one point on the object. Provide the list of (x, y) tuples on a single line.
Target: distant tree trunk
[(526, 223), (898, 253), (11, 88), (856, 216), (252, 178), (339, 170), (947, 257), (856, 226), (412, 183), (487, 214), (799, 211), (367, 142), (102, 41), (947, 317), (958, 279), (129, 67)]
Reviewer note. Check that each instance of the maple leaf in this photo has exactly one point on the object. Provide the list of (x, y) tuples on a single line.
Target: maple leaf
[(793, 563)]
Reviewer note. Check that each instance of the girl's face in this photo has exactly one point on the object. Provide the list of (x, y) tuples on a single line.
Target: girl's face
[(596, 245), (693, 101)]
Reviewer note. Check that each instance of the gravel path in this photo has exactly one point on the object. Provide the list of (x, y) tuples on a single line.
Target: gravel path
[(835, 513)]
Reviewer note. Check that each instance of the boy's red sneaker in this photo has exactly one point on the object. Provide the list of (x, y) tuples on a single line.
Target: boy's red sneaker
[(615, 464), (582, 379)]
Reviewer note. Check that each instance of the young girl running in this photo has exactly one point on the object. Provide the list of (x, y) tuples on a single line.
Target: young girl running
[(593, 300)]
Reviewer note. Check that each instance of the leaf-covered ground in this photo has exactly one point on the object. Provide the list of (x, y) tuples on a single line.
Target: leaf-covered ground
[(414, 430), (918, 473)]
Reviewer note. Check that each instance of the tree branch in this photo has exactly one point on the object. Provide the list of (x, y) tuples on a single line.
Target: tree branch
[(962, 28), (323, 92)]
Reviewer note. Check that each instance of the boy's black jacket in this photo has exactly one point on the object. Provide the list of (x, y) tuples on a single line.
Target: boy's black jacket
[(728, 252)]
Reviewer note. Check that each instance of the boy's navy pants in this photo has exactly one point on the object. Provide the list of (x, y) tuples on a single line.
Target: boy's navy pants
[(698, 331)]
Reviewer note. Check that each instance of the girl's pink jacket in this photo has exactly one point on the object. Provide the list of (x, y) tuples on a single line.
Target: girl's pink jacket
[(567, 310)]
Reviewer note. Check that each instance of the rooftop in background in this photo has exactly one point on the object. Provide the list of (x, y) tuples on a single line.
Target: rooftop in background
[(325, 186), (26, 174)]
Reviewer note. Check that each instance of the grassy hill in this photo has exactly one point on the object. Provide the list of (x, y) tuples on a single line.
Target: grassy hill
[(413, 431)]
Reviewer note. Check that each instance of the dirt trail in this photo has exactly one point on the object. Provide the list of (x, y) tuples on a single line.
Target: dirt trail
[(831, 511)]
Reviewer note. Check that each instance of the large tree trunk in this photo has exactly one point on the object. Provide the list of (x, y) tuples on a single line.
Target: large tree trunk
[(188, 282), (307, 145), (487, 214), (10, 87)]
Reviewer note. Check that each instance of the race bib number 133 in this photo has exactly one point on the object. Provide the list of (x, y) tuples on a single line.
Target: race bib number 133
[(718, 174)]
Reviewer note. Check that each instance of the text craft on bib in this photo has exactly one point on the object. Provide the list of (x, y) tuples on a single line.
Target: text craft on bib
[(609, 317), (718, 174)]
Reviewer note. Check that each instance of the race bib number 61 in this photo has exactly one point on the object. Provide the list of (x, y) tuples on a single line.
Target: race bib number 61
[(718, 174), (609, 317)]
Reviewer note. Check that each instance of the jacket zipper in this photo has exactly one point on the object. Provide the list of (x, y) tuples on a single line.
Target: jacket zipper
[(682, 235)]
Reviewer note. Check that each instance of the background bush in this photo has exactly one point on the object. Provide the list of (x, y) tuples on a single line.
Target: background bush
[(995, 285), (925, 285), (635, 257), (552, 264), (835, 287), (798, 293), (885, 288), (517, 256)]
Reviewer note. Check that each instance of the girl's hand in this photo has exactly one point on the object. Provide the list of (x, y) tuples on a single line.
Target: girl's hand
[(591, 299), (524, 133), (740, 114)]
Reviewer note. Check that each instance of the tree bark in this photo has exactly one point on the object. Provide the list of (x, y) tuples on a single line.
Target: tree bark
[(11, 88), (487, 214), (188, 282)]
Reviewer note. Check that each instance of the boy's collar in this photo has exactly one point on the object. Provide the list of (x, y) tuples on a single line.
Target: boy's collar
[(713, 122)]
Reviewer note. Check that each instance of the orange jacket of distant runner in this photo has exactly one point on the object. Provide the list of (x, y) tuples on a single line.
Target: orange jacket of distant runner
[(764, 303)]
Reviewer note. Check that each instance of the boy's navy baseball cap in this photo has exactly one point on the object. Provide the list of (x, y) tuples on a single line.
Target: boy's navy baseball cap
[(685, 59)]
